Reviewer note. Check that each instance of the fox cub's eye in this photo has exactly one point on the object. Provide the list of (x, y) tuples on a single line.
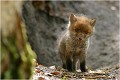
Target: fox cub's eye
[(76, 30)]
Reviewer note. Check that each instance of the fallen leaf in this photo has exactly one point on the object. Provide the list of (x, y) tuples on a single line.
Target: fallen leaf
[(52, 67), (38, 71), (55, 73), (41, 78)]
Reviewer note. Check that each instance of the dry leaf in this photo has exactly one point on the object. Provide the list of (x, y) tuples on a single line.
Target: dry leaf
[(41, 78), (38, 71), (55, 73)]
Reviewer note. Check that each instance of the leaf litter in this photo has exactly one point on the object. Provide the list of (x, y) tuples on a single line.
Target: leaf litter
[(58, 73)]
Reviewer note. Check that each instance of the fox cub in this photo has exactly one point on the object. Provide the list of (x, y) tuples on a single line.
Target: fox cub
[(73, 44)]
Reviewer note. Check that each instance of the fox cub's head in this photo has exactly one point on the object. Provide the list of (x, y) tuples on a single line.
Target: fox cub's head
[(81, 27)]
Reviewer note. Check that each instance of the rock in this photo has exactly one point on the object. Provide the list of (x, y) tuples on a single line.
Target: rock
[(46, 20)]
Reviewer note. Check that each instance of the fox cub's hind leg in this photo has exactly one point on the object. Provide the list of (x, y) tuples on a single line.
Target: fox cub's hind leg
[(64, 66)]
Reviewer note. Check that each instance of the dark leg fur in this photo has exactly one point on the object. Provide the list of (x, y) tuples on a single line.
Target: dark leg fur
[(69, 65), (74, 67), (74, 63), (82, 66), (64, 66)]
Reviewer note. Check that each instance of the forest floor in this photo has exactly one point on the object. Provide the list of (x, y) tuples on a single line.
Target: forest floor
[(57, 73)]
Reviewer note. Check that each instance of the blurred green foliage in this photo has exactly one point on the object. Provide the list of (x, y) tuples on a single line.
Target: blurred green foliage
[(16, 54)]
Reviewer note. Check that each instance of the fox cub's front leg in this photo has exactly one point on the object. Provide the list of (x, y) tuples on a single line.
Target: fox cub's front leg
[(83, 64), (69, 64)]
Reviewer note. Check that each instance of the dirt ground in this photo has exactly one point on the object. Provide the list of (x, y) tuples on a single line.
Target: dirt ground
[(44, 26)]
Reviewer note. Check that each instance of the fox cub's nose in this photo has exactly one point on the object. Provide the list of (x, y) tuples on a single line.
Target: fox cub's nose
[(79, 38)]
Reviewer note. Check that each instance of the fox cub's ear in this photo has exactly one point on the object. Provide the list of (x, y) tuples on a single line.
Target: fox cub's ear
[(72, 18), (92, 22)]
